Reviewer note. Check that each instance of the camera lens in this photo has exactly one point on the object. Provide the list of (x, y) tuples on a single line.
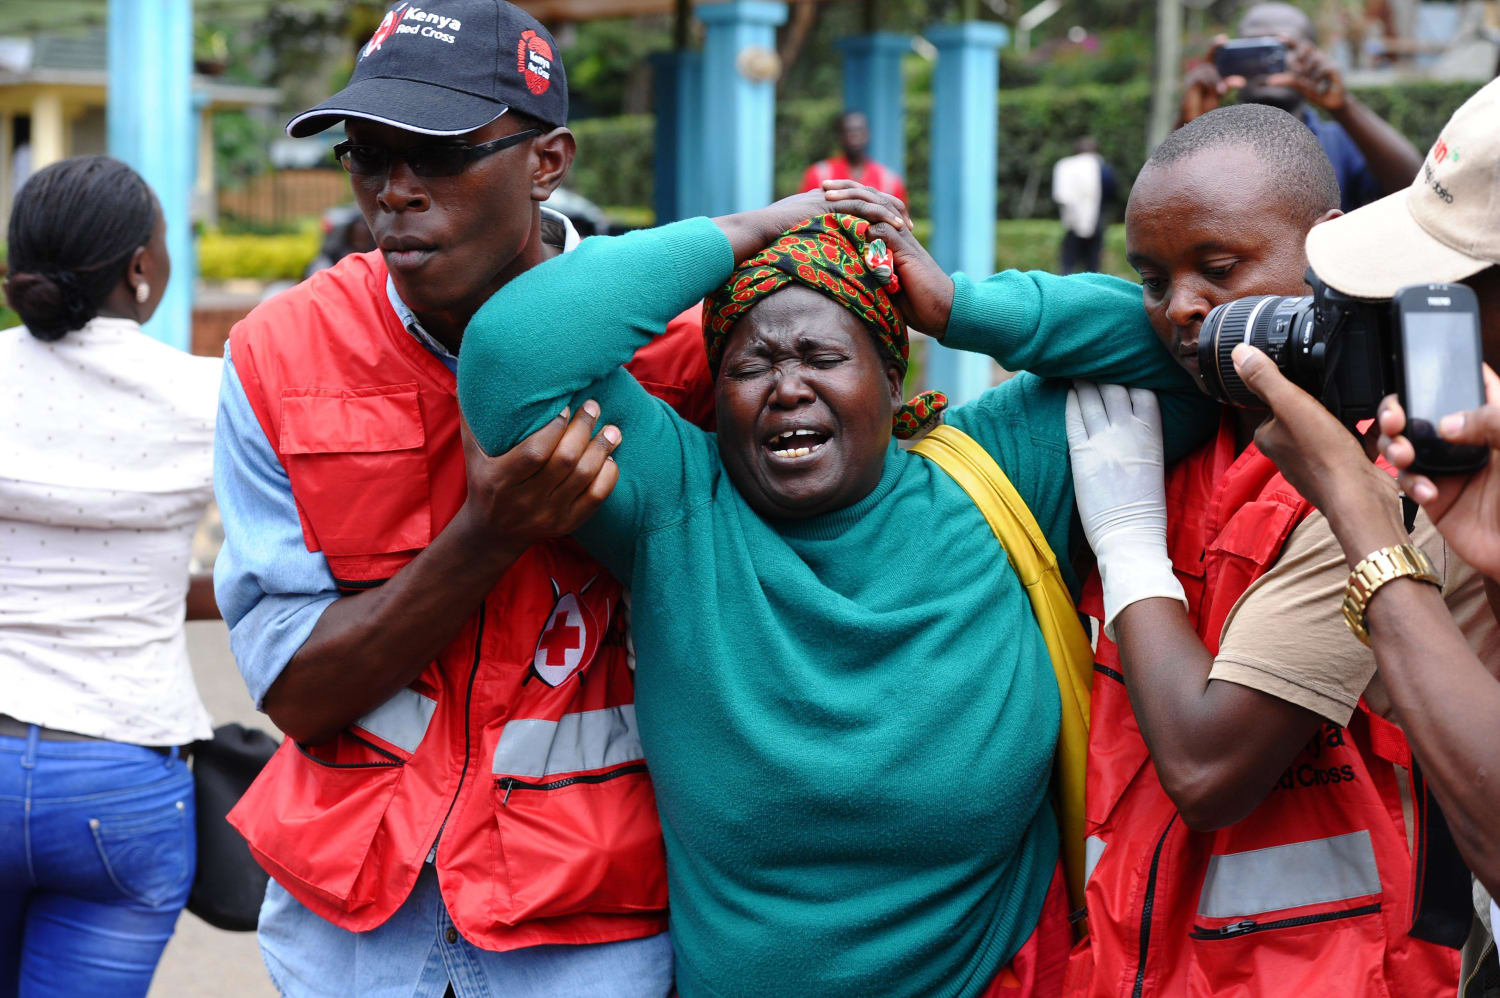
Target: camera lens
[(1264, 321)]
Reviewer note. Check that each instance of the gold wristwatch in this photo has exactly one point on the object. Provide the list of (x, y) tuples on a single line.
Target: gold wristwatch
[(1378, 568)]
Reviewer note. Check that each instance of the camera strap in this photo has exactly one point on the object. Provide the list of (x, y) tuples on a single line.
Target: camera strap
[(1442, 899), (1442, 887), (1409, 509)]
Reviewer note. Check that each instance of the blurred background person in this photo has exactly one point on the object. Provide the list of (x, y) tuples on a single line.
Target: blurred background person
[(1370, 158), (105, 469), (345, 231), (854, 162), (1082, 185)]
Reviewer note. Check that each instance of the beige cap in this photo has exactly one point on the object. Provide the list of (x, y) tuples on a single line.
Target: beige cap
[(1444, 227)]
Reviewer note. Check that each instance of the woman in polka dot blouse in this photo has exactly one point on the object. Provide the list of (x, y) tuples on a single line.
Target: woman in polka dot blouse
[(106, 453)]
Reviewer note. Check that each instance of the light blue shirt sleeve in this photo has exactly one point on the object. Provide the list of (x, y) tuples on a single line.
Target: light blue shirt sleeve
[(271, 589)]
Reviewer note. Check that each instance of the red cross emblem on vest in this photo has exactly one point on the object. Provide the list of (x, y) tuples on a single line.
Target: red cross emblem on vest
[(570, 636)]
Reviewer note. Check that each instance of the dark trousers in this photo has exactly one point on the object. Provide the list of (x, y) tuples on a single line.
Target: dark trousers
[(1082, 253)]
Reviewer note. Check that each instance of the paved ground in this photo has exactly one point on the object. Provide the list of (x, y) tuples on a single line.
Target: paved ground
[(201, 961)]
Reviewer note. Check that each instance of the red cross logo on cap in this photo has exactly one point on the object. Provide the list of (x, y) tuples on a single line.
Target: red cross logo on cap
[(387, 25), (534, 61)]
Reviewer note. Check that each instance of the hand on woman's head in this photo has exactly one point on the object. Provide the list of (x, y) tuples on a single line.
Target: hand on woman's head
[(750, 232), (926, 295)]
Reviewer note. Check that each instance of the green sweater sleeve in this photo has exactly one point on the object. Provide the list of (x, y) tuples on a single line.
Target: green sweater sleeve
[(558, 334), (1088, 326)]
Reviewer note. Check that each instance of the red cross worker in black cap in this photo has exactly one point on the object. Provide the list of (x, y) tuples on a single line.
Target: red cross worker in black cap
[(434, 823), (467, 100)]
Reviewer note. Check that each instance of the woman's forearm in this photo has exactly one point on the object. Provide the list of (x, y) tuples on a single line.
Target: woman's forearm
[(1087, 326), (1092, 327), (542, 340)]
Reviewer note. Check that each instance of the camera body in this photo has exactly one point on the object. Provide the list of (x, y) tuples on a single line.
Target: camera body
[(1250, 57), (1349, 353)]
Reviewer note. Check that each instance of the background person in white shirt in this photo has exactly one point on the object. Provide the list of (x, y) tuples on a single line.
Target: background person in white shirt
[(1082, 184), (106, 440)]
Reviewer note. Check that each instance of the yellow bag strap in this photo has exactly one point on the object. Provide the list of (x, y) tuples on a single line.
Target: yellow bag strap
[(1072, 656)]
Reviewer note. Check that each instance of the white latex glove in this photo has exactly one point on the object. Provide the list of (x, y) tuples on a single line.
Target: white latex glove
[(1114, 441)]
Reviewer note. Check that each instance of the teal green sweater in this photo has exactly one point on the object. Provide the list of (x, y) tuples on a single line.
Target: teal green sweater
[(850, 718)]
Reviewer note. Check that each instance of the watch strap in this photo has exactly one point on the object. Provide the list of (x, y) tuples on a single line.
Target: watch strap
[(1379, 567)]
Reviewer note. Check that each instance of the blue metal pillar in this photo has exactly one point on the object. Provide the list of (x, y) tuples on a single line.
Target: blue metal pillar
[(873, 85), (151, 127), (964, 132), (677, 173), (739, 113)]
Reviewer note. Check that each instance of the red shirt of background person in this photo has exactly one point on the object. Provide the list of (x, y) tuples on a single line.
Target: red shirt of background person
[(854, 164)]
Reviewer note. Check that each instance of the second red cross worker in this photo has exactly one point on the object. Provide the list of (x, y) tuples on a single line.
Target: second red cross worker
[(460, 805)]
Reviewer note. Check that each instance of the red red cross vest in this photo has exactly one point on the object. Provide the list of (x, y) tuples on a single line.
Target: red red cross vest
[(516, 750), (1308, 896)]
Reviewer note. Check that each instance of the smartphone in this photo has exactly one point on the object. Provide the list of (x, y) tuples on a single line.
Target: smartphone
[(1438, 371), (1250, 57)]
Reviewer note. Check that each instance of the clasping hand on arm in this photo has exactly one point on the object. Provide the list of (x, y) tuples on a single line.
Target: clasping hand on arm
[(1464, 508), (366, 647), (1114, 442)]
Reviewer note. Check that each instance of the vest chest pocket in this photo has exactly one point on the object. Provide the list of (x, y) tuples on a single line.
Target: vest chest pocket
[(358, 467), (1256, 532)]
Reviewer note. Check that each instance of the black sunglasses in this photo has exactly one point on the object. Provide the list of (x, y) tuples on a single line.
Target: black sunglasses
[(433, 159)]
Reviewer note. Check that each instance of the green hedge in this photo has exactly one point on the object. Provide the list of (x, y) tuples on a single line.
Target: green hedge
[(264, 257), (1037, 126)]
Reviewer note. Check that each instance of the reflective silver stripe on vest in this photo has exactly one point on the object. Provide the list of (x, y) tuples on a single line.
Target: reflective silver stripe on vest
[(1093, 848), (1248, 883), (402, 720), (592, 739)]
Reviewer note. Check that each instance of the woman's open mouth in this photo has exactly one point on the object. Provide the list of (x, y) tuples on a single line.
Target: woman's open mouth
[(794, 445)]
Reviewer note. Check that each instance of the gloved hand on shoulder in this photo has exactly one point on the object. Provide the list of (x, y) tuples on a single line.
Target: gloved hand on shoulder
[(1114, 442)]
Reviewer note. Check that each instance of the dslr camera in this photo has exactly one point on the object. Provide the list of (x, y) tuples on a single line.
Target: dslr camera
[(1423, 344)]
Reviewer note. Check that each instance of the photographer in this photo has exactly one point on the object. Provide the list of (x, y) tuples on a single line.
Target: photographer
[(1370, 158), (1238, 751), (1447, 228)]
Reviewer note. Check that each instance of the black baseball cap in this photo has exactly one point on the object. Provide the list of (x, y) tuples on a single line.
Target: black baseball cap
[(449, 67)]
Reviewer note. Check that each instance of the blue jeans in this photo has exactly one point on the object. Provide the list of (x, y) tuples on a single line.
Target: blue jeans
[(97, 850), (418, 953)]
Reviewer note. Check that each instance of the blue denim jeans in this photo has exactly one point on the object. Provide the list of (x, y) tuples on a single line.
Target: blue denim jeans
[(418, 953), (97, 849)]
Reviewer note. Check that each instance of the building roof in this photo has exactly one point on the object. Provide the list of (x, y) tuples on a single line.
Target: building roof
[(78, 60)]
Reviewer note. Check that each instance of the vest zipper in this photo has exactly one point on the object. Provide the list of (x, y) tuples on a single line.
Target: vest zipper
[(393, 760), (1147, 907), (511, 783), (1249, 925), (468, 702)]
